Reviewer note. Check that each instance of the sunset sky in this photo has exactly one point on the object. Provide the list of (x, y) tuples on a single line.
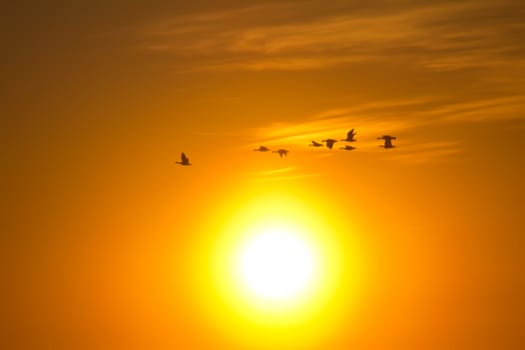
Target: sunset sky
[(106, 243)]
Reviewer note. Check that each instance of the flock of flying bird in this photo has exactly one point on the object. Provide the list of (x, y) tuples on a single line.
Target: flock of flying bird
[(350, 137)]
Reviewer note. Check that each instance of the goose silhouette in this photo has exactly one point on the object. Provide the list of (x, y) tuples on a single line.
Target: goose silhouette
[(316, 144), (282, 152), (183, 160), (388, 141), (347, 148), (350, 136), (330, 143), (262, 149)]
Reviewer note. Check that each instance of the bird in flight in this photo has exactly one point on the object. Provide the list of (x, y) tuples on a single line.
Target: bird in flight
[(350, 136), (183, 160), (330, 143), (388, 141), (315, 144), (347, 148), (282, 152), (262, 149)]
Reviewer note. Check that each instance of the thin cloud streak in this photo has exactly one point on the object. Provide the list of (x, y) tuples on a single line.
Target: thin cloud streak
[(439, 37), (392, 117), (273, 172), (427, 152), (281, 174), (405, 117), (368, 120), (288, 177)]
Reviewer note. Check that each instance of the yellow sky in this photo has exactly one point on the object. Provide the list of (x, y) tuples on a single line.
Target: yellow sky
[(106, 243)]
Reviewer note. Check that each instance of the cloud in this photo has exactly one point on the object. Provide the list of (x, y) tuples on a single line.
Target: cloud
[(426, 152), (409, 119), (438, 37), (487, 109), (397, 116), (288, 177), (290, 36), (274, 171), (369, 120), (282, 174)]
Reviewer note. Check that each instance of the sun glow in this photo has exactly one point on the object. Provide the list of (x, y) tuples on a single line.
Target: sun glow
[(276, 263), (276, 259)]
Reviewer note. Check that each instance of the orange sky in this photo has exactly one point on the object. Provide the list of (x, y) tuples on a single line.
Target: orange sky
[(105, 242)]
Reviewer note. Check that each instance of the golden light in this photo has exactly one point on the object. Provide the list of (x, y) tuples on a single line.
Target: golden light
[(276, 263), (273, 259), (276, 268)]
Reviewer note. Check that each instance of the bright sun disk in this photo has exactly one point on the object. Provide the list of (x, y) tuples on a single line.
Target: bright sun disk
[(276, 264)]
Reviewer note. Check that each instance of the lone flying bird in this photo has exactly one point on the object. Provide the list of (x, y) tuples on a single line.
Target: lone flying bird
[(388, 141), (330, 143), (350, 136), (183, 160), (347, 148), (282, 152), (316, 144), (262, 149)]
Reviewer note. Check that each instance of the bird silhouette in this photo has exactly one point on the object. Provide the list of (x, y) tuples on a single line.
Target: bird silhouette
[(388, 141), (282, 152), (316, 144), (262, 149), (350, 136), (330, 143), (183, 160), (347, 148)]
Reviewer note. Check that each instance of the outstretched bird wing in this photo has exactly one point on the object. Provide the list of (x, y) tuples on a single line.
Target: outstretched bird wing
[(183, 158), (351, 134)]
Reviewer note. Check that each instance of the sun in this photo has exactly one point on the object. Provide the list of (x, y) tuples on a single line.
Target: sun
[(273, 268), (272, 264), (275, 258), (276, 263)]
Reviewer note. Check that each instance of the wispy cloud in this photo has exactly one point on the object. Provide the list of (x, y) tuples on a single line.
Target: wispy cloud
[(287, 177), (425, 152), (486, 109), (412, 119), (282, 174), (443, 36), (396, 116), (437, 36), (273, 172)]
